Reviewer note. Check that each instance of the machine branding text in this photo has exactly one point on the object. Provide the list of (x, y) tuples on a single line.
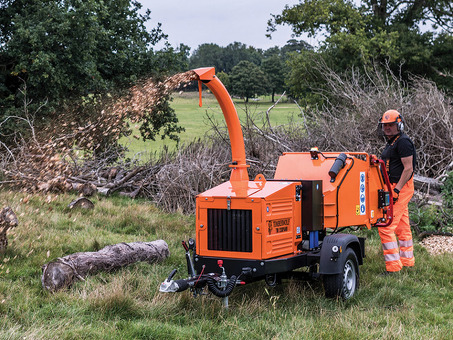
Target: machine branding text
[(279, 225)]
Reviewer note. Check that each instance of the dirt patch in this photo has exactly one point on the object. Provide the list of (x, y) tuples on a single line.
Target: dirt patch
[(438, 244)]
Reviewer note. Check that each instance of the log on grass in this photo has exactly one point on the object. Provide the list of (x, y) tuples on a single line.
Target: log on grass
[(62, 272)]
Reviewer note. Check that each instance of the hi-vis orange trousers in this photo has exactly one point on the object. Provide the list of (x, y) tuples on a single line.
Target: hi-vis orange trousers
[(396, 258)]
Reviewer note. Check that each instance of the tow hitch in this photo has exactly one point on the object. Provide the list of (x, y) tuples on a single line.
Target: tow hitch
[(219, 285)]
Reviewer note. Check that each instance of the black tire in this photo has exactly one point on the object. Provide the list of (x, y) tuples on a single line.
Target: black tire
[(347, 282)]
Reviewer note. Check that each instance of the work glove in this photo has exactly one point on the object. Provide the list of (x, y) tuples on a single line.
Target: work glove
[(396, 195)]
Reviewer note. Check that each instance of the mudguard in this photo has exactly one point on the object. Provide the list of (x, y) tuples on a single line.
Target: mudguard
[(333, 249)]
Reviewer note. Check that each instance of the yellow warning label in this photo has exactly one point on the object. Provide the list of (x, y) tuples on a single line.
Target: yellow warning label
[(357, 209)]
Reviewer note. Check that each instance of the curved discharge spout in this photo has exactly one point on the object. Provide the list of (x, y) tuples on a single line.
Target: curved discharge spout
[(239, 166)]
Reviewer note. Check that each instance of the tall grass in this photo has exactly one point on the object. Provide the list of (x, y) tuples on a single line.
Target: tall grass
[(126, 304), (196, 124)]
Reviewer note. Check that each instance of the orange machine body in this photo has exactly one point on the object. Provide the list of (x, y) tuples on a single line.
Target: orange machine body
[(258, 225), (249, 230), (268, 219), (265, 219), (350, 200)]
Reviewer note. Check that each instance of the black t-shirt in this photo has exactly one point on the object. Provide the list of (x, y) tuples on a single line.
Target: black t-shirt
[(398, 147)]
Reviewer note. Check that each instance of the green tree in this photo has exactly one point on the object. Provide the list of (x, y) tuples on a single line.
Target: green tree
[(207, 55), (237, 52), (247, 80), (375, 30), (275, 63), (224, 58), (295, 46), (225, 79), (275, 70), (333, 17), (65, 49)]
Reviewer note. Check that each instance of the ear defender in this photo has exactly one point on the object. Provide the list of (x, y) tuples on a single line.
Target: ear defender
[(400, 123)]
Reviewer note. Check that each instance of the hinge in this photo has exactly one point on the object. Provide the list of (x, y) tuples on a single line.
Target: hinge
[(228, 203)]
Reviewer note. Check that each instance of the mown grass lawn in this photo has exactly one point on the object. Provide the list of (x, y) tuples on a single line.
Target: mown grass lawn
[(126, 304), (196, 124)]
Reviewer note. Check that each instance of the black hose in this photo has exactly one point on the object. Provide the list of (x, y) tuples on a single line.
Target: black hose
[(212, 286)]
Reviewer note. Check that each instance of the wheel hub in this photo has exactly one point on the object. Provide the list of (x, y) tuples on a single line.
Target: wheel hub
[(349, 279)]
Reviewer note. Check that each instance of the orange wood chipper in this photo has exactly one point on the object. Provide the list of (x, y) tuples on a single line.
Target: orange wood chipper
[(249, 230)]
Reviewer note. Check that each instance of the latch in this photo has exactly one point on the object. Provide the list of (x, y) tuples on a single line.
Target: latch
[(228, 203), (298, 192)]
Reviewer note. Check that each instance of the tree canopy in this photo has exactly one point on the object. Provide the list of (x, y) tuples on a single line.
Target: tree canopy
[(336, 16), (377, 31), (275, 70), (247, 80), (65, 49), (224, 58)]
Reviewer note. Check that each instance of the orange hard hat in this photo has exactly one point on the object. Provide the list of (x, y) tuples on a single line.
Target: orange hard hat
[(390, 116)]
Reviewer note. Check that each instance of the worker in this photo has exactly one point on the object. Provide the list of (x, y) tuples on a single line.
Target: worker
[(399, 156)]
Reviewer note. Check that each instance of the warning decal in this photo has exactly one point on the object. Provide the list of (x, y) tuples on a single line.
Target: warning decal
[(362, 194)]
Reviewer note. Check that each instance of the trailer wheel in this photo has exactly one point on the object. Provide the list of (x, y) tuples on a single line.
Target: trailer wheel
[(345, 283)]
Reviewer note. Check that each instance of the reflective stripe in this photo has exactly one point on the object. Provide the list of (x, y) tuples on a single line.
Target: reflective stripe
[(407, 254), (405, 243), (392, 257), (390, 245)]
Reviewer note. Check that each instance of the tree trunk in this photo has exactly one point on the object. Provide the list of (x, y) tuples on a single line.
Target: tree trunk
[(64, 271)]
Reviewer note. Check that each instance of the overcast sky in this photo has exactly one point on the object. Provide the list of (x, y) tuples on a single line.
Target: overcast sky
[(195, 22)]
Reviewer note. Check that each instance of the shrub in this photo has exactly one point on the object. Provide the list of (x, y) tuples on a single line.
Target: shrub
[(447, 190)]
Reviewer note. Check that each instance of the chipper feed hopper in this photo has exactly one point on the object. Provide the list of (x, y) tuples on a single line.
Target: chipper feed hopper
[(249, 230)]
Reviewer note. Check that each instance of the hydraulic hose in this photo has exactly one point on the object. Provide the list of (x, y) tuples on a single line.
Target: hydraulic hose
[(182, 285), (212, 286)]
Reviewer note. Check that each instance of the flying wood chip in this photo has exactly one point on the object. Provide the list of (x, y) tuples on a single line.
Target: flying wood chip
[(40, 161)]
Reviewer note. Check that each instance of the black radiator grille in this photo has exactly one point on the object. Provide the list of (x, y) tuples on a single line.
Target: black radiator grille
[(230, 230)]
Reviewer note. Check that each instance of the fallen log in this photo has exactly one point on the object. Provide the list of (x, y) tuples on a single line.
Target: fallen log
[(63, 272), (430, 185)]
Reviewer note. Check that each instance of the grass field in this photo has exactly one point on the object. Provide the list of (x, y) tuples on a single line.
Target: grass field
[(195, 122), (126, 304)]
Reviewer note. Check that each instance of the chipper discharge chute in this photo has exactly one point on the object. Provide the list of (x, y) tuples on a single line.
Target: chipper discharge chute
[(249, 230)]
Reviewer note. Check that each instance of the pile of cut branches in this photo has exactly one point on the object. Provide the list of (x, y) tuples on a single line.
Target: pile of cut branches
[(348, 122)]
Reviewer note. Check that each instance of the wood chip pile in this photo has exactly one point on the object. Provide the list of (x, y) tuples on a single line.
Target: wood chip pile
[(436, 244)]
